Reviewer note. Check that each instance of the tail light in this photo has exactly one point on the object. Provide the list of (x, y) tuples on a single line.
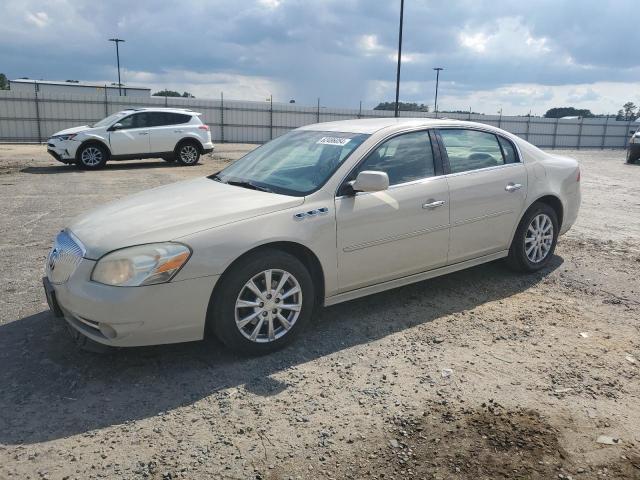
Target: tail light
[(204, 127)]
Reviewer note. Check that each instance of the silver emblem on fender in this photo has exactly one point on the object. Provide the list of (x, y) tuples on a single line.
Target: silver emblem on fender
[(311, 213)]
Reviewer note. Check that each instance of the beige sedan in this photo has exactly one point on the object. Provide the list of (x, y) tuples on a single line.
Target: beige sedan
[(322, 215)]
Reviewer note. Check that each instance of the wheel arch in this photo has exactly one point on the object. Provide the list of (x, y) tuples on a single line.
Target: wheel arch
[(554, 202), (92, 141), (193, 140), (549, 199), (308, 258)]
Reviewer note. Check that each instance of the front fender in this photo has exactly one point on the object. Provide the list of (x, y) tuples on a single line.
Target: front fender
[(217, 248)]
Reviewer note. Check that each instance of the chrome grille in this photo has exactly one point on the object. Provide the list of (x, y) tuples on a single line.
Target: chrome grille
[(64, 258)]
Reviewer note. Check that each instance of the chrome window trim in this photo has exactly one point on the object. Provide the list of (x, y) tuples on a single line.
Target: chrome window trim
[(485, 169)]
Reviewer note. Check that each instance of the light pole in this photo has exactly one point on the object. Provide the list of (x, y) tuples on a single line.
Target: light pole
[(117, 41), (399, 57), (435, 106)]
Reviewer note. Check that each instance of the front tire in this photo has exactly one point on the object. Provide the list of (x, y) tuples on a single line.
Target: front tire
[(263, 302), (535, 239), (632, 158), (188, 153), (91, 157)]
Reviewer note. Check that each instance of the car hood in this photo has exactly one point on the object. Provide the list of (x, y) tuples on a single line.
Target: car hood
[(67, 131), (170, 212)]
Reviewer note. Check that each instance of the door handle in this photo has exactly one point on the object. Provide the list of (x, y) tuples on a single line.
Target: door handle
[(143, 133), (512, 187), (433, 204), (177, 131)]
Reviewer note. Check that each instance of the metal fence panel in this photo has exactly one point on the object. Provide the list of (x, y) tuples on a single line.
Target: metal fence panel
[(25, 117)]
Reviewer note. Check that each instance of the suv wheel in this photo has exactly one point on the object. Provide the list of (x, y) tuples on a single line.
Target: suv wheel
[(91, 157), (535, 239), (188, 153), (263, 302)]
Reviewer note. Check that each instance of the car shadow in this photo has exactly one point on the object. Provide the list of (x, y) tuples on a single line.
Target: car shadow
[(49, 389), (110, 166)]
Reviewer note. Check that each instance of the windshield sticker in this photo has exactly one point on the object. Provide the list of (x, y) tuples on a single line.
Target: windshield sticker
[(333, 141)]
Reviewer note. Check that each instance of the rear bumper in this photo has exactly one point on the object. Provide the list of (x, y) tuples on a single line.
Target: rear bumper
[(207, 147), (134, 316)]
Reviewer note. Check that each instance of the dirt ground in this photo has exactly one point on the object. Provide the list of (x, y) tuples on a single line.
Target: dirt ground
[(481, 374)]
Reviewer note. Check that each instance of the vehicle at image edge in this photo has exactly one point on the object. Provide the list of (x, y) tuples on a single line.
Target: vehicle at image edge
[(168, 133), (633, 149), (323, 214)]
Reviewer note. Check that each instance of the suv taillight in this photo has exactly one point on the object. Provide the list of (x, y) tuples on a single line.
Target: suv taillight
[(204, 127)]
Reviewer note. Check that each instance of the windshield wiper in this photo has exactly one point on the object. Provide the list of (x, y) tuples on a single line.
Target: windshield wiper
[(245, 184)]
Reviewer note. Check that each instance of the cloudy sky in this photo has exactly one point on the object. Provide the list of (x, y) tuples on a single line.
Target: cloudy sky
[(515, 55)]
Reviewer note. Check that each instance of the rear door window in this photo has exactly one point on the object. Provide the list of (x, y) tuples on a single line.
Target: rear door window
[(471, 149)]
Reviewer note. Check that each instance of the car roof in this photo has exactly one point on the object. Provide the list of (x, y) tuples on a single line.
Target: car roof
[(184, 111), (372, 125)]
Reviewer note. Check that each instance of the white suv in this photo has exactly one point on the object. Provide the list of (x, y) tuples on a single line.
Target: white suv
[(168, 133)]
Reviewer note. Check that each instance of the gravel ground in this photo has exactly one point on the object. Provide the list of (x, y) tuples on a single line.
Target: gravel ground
[(480, 374)]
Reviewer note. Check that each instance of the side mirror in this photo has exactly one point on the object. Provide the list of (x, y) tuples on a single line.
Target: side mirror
[(116, 126), (370, 181)]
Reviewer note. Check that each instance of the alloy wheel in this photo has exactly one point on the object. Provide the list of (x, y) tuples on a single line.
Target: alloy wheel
[(188, 154), (268, 306), (539, 238), (91, 156)]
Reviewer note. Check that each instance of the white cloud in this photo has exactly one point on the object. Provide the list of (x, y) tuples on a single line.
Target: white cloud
[(599, 97), (476, 41), (39, 19), (369, 44), (209, 84), (504, 36), (271, 4)]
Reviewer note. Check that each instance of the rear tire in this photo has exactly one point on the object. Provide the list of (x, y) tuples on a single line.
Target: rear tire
[(238, 313), (535, 239), (91, 157), (188, 153), (631, 158)]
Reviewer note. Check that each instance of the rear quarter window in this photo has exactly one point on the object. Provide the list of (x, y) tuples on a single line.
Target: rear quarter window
[(509, 151), (177, 118)]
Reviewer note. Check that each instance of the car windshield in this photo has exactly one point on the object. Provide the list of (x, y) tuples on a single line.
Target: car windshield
[(109, 120), (296, 163)]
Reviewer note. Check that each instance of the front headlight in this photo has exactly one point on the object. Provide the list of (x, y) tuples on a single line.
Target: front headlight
[(141, 265), (69, 136)]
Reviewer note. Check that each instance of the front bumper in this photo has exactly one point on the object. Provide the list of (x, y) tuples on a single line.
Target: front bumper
[(133, 316), (62, 151), (633, 152)]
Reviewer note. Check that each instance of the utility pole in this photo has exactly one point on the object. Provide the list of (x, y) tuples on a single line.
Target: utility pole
[(435, 106), (399, 57), (117, 41)]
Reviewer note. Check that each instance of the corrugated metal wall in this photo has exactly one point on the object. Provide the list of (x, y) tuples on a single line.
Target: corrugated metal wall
[(27, 118)]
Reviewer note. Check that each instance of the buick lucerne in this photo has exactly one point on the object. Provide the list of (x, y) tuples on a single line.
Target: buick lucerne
[(323, 214)]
